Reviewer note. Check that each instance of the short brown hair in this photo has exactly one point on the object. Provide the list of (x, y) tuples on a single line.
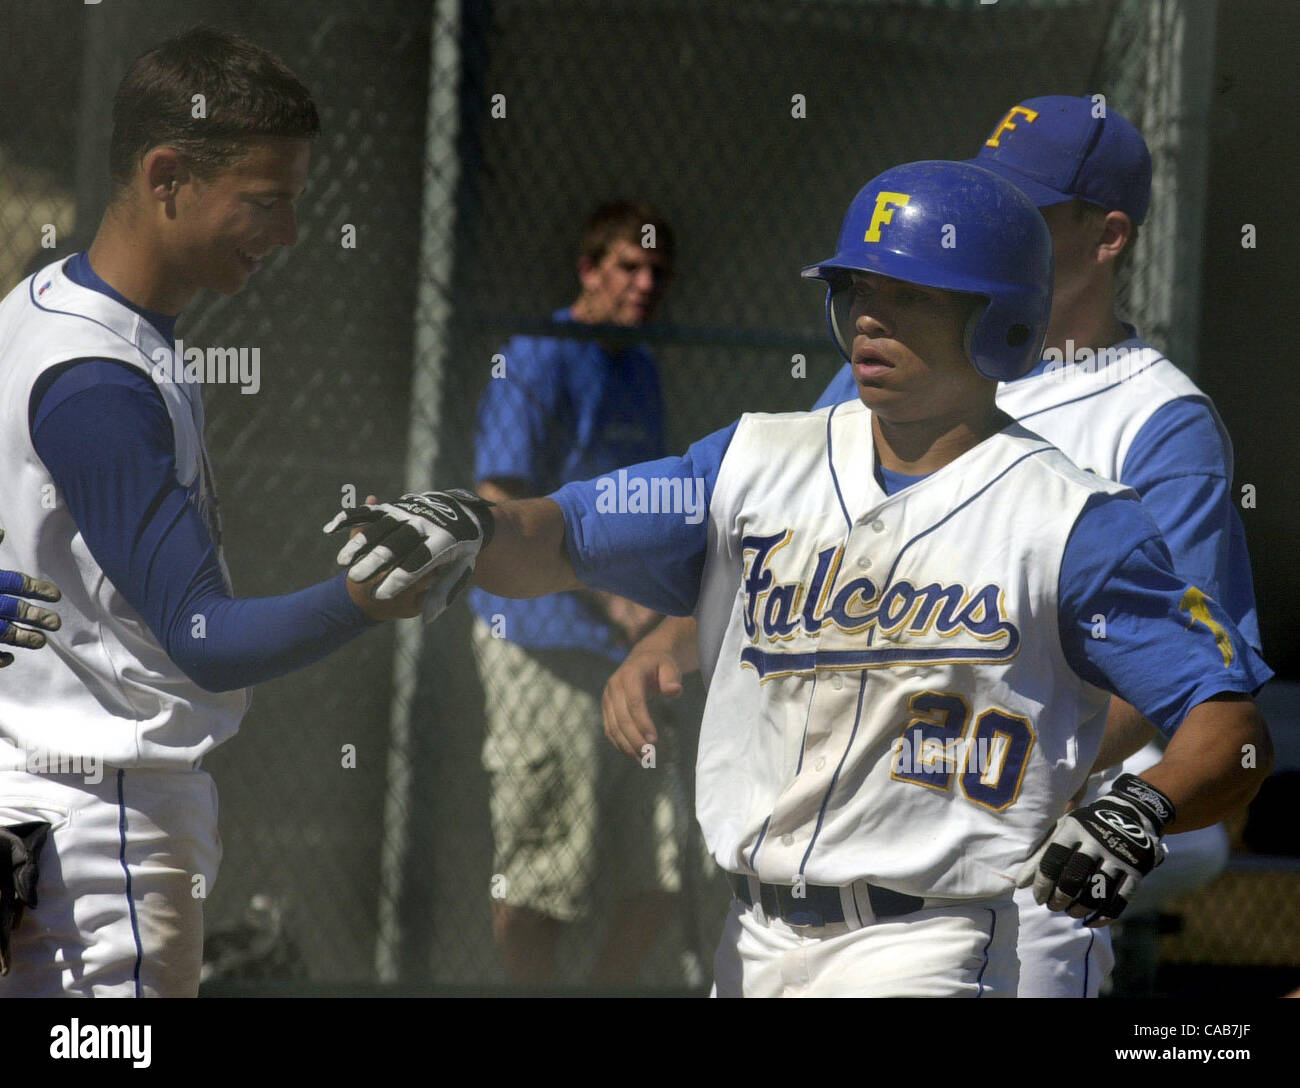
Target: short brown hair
[(1083, 210), (623, 220), (247, 93)]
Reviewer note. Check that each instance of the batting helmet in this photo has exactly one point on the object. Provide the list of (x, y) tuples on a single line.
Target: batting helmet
[(956, 227)]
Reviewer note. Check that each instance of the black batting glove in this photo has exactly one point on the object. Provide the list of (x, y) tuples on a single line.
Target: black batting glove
[(405, 540), (1096, 856)]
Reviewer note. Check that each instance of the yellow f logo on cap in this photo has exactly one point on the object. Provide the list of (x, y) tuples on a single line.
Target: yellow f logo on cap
[(1009, 122), (884, 213)]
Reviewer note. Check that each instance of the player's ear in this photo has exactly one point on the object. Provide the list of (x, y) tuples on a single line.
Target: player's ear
[(1115, 233), (165, 172)]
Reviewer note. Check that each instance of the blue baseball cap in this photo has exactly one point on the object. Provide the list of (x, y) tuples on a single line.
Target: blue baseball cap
[(1058, 148)]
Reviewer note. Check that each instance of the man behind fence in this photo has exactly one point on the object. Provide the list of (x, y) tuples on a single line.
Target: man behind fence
[(559, 409)]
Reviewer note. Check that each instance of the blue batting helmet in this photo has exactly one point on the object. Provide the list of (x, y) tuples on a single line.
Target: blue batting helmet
[(956, 227)]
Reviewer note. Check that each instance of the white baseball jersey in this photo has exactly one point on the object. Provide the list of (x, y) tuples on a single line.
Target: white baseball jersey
[(1093, 413), (851, 612), (104, 686)]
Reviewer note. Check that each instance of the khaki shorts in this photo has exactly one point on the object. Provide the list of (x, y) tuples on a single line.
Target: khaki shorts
[(571, 816)]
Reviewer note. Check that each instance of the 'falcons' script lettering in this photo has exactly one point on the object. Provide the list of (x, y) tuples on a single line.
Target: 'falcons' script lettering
[(914, 623)]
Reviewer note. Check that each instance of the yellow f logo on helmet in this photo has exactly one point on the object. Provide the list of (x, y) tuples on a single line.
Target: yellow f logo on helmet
[(884, 213)]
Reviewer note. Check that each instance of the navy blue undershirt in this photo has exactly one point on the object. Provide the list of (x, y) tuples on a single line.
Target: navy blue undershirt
[(103, 432)]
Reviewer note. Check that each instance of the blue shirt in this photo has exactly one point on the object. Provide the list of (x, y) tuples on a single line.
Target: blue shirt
[(1178, 465), (1115, 564), (564, 410), (104, 435)]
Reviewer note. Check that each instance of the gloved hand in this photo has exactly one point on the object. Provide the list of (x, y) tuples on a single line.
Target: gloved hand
[(21, 623), (406, 540), (20, 849), (1096, 856)]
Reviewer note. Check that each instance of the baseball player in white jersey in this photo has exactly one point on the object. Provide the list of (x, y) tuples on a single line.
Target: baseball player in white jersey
[(107, 492), (1124, 411), (1118, 408), (897, 602)]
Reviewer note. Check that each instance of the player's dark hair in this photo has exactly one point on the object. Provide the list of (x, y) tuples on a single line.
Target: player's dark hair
[(1084, 210), (247, 93), (624, 220)]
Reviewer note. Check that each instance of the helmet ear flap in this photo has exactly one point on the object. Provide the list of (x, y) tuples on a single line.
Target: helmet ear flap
[(1002, 346), (988, 339), (839, 302)]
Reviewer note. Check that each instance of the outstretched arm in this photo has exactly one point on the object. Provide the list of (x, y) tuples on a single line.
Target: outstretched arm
[(104, 434), (526, 556), (529, 547), (632, 619)]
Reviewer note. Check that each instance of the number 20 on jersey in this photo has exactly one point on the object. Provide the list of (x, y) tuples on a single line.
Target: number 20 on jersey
[(984, 755)]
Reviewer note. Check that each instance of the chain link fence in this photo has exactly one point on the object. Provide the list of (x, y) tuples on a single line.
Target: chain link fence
[(463, 145), (38, 145)]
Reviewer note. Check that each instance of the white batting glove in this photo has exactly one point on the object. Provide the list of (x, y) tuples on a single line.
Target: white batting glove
[(446, 587), (1097, 855), (407, 539)]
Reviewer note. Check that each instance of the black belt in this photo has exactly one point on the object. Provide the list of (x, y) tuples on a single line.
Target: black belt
[(820, 905)]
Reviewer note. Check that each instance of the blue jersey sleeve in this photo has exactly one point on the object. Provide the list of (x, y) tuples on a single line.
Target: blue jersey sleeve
[(1181, 467), (642, 532), (1133, 627), (104, 434), (842, 387), (515, 414)]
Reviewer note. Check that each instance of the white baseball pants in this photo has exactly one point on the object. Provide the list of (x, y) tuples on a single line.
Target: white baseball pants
[(961, 951), (120, 911)]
